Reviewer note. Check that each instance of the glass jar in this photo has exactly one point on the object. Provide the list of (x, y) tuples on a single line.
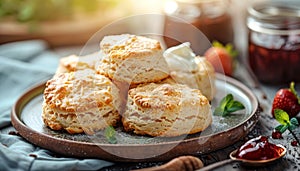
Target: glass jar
[(274, 41), (209, 16)]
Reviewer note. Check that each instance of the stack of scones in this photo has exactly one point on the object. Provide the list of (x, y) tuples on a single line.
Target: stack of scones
[(131, 82)]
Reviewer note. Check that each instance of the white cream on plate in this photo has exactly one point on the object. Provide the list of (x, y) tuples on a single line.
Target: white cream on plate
[(181, 58), (187, 68)]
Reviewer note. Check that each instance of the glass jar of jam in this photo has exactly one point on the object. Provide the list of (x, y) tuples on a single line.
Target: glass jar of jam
[(211, 17), (274, 41)]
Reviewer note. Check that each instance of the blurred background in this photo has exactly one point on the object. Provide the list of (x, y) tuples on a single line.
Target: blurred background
[(76, 23), (35, 34), (73, 22)]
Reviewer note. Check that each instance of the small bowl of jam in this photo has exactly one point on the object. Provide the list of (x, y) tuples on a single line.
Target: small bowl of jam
[(274, 41), (255, 153), (258, 151)]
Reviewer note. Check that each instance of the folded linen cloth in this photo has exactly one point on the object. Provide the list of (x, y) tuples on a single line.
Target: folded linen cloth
[(22, 65)]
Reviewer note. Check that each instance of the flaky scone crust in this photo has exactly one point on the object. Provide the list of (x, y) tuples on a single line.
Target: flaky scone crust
[(74, 63), (166, 110), (132, 59), (84, 95)]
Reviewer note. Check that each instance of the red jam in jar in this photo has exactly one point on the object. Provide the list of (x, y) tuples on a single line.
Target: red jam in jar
[(259, 148), (274, 42)]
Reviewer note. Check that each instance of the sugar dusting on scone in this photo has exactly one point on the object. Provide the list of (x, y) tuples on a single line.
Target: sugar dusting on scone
[(132, 59), (80, 101), (166, 110)]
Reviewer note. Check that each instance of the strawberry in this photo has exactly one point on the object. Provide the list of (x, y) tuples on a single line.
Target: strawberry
[(287, 100), (221, 57)]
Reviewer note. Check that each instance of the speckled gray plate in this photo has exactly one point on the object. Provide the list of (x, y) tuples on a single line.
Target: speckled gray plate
[(224, 131)]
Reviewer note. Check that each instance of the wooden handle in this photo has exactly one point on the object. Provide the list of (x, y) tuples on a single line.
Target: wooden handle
[(183, 163), (216, 165)]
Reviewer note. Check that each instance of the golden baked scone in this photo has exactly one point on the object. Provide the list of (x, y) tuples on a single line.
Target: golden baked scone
[(194, 71), (132, 59), (80, 101), (73, 62), (203, 78), (166, 110), (206, 77)]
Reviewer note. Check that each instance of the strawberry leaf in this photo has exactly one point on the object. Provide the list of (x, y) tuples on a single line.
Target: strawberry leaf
[(228, 105), (282, 117), (292, 89), (217, 44), (228, 47), (110, 135)]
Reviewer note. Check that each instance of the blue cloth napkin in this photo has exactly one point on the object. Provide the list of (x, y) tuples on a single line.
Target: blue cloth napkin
[(22, 65)]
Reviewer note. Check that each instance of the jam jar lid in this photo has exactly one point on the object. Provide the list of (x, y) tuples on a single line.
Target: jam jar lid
[(275, 17), (192, 9)]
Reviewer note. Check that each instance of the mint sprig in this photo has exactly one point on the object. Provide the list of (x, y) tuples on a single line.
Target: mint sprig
[(286, 123), (228, 105), (110, 135)]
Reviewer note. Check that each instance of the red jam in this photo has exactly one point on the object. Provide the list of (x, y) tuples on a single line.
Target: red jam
[(274, 42), (273, 58), (259, 148)]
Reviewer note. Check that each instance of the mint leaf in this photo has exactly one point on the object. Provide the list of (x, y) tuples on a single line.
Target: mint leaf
[(294, 121), (228, 105), (227, 99), (281, 128), (293, 124), (292, 127), (282, 117), (110, 135), (235, 106), (219, 111)]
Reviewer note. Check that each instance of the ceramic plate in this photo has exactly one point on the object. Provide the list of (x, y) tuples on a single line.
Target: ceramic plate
[(224, 131)]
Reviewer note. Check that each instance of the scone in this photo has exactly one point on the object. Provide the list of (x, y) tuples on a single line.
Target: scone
[(132, 59), (203, 78), (166, 110), (73, 62), (194, 71), (80, 101)]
